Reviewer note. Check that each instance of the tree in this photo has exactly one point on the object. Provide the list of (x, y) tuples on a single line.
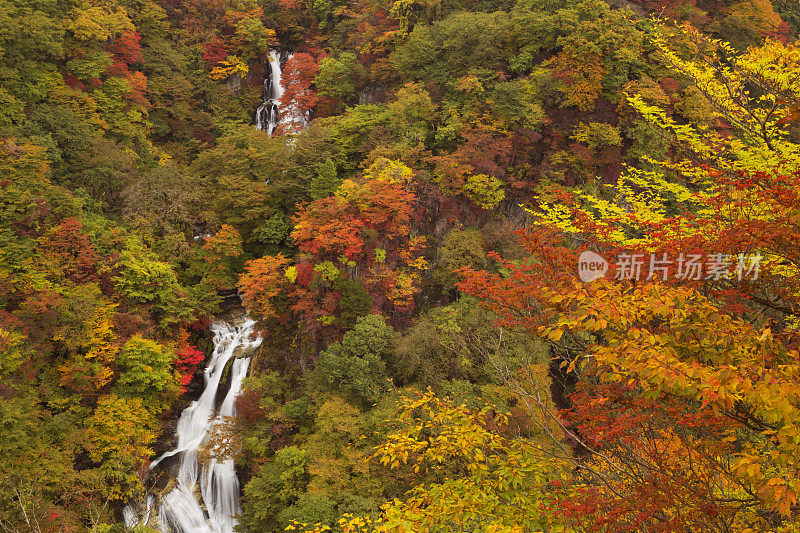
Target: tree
[(145, 280), (747, 23), (70, 251), (684, 410), (377, 208), (335, 79), (274, 233), (278, 484), (734, 405), (482, 156), (127, 52), (338, 454), (365, 228), (214, 52), (158, 207), (581, 73), (501, 485), (187, 360), (669, 364), (449, 48), (298, 97), (252, 38), (728, 80), (244, 180), (218, 258), (460, 342), (325, 182), (484, 190), (24, 191), (94, 23), (263, 280), (38, 480), (735, 190), (119, 434), (90, 369), (740, 219), (517, 105), (356, 366), (146, 372), (12, 351), (410, 117)]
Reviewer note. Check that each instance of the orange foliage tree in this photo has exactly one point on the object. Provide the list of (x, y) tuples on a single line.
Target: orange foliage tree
[(687, 406), (262, 282), (298, 97), (365, 229), (70, 251), (687, 413), (217, 258), (687, 410)]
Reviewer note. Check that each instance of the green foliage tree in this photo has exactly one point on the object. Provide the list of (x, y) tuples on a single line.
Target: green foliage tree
[(460, 248), (337, 77), (146, 280), (449, 49), (244, 181), (310, 508), (36, 470), (146, 372), (354, 303), (461, 342), (277, 485), (356, 366), (517, 104), (490, 492), (274, 234), (158, 206), (325, 182)]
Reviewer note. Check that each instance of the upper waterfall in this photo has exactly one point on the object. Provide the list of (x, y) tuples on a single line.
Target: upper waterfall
[(269, 115)]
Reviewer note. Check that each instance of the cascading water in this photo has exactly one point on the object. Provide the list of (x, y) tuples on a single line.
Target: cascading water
[(180, 510), (266, 118)]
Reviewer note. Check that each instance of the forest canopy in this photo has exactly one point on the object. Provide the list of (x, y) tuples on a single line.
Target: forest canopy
[(515, 265)]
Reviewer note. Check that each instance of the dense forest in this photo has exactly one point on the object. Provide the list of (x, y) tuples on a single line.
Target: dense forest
[(406, 237)]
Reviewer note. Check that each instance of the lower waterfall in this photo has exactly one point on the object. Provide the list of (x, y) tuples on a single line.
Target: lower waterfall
[(214, 484)]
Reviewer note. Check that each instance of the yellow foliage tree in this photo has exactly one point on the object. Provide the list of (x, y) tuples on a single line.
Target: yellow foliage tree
[(90, 369), (757, 93), (676, 341), (93, 22), (232, 66), (119, 434), (501, 485)]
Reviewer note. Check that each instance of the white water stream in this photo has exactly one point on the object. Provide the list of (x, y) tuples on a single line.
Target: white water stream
[(214, 484), (266, 118), (268, 115)]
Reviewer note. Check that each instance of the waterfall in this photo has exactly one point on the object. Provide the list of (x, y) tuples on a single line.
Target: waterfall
[(267, 115), (218, 488), (266, 118)]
